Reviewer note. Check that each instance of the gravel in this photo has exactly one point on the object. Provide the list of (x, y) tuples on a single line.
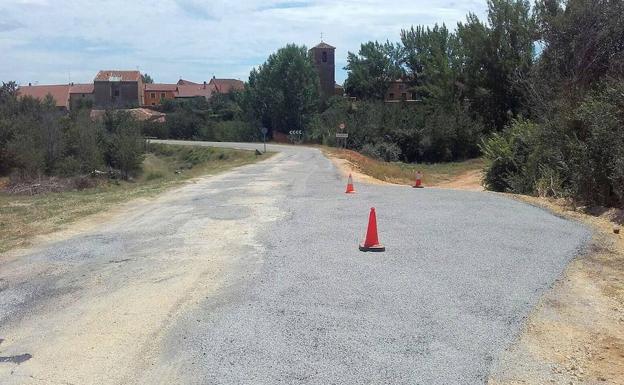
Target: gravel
[(461, 272), (255, 277)]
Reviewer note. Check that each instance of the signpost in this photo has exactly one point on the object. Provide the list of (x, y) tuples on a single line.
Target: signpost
[(296, 136), (342, 135)]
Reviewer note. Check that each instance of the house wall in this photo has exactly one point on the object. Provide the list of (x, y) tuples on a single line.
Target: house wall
[(399, 91), (118, 94), (158, 96), (75, 99)]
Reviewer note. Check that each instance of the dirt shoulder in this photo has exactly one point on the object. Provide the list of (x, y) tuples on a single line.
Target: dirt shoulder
[(576, 333), (465, 175)]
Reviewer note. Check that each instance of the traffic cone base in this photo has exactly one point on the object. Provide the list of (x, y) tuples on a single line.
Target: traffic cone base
[(371, 243), (373, 248), (350, 188)]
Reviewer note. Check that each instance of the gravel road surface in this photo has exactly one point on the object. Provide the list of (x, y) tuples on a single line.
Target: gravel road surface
[(254, 277)]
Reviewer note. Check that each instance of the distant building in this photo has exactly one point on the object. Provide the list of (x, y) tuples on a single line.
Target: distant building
[(66, 96), (81, 95), (225, 86), (183, 82), (400, 90), (339, 90), (118, 89), (194, 90), (155, 93), (323, 59), (59, 92)]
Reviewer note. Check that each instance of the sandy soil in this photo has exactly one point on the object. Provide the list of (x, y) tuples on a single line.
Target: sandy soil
[(576, 334), (347, 168), (470, 181)]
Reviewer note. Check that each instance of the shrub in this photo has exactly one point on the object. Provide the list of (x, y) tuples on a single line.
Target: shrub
[(385, 151)]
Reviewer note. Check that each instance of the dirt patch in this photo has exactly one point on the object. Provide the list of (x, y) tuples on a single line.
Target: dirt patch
[(345, 167), (470, 181), (576, 333), (367, 170)]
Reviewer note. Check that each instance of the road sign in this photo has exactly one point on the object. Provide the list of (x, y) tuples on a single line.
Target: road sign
[(342, 135), (264, 130), (342, 126), (295, 132)]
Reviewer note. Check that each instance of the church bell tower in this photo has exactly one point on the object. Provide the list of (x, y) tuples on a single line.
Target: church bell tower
[(323, 59)]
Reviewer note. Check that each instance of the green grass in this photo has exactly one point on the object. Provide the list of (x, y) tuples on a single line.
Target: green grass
[(403, 173), (24, 217)]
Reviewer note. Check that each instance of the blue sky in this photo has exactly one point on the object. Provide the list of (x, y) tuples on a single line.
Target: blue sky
[(48, 41)]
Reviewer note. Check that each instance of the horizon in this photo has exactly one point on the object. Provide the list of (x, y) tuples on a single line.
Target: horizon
[(235, 37)]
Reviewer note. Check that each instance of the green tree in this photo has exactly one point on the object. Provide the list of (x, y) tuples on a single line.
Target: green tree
[(496, 56), (125, 143), (147, 79), (372, 69), (283, 93), (429, 55)]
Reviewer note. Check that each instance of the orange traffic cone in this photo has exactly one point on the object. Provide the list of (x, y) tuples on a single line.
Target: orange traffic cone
[(371, 243), (350, 189), (418, 182)]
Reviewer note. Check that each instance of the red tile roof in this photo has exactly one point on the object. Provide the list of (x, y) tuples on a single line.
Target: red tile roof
[(193, 90), (123, 76), (160, 87), (225, 86), (81, 89), (60, 93), (186, 82)]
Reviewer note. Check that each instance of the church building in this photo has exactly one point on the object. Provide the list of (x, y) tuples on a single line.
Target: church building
[(323, 59)]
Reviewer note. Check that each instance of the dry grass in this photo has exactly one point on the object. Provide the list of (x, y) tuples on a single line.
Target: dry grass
[(24, 217), (436, 174)]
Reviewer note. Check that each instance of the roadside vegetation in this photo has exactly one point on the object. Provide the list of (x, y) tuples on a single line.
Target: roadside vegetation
[(220, 119), (38, 141), (23, 216)]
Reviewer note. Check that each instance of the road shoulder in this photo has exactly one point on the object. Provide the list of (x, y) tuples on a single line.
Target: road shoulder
[(576, 333)]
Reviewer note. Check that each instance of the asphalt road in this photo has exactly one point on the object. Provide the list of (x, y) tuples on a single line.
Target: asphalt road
[(255, 277)]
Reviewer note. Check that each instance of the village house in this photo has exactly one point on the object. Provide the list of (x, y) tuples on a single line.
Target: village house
[(155, 93), (191, 90), (399, 91), (125, 89), (66, 96), (225, 86), (80, 95), (118, 89)]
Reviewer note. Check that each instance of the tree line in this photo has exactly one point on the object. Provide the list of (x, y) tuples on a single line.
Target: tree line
[(36, 139), (536, 89)]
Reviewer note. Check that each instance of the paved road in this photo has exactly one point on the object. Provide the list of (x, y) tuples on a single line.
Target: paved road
[(254, 277)]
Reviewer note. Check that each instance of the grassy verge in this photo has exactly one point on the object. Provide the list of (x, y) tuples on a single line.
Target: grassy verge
[(403, 173), (23, 217)]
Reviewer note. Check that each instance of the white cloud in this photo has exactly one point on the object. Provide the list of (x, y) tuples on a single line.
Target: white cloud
[(193, 38)]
